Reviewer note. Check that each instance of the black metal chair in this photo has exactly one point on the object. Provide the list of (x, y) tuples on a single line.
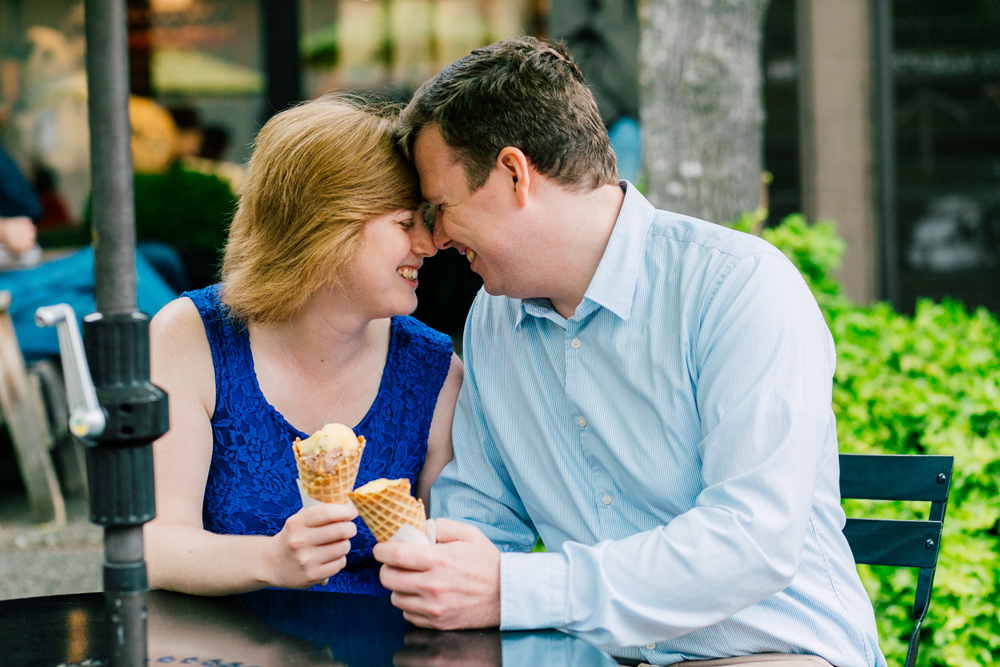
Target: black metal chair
[(899, 543)]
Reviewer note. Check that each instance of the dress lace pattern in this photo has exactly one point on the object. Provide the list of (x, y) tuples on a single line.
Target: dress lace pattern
[(251, 483)]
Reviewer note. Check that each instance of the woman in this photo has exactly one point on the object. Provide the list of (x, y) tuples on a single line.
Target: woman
[(305, 329)]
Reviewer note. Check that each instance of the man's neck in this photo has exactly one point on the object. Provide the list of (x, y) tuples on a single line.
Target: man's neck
[(586, 222)]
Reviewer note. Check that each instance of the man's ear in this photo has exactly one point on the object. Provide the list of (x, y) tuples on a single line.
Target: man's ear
[(514, 165)]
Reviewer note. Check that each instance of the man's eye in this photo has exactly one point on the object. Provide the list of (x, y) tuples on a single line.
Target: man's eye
[(427, 212)]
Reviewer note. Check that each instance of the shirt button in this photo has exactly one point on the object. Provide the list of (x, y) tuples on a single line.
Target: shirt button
[(606, 499), (650, 646), (582, 422), (575, 343)]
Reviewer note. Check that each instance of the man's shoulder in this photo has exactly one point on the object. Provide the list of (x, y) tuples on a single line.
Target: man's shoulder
[(708, 237)]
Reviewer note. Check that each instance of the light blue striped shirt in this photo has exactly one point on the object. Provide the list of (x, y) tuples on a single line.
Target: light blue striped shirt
[(674, 446)]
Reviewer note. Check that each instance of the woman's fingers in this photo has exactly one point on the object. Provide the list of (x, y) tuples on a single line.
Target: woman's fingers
[(331, 552), (332, 532), (323, 562), (321, 573), (324, 513)]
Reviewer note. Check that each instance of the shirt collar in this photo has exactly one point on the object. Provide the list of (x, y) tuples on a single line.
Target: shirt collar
[(613, 284)]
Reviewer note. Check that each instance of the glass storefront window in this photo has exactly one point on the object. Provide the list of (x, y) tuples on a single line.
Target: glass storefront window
[(947, 68), (200, 93), (395, 45)]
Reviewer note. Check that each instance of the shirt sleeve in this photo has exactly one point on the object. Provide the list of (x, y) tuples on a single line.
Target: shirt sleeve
[(762, 363), (475, 486)]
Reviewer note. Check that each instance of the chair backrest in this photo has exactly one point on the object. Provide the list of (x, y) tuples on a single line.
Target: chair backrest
[(896, 542)]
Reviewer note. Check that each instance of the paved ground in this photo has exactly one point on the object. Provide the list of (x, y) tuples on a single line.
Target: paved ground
[(40, 559)]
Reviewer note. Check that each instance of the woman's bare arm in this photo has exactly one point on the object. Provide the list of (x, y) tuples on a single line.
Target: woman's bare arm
[(180, 554), (439, 438)]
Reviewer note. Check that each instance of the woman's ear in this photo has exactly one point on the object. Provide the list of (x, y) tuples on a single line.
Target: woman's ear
[(514, 165)]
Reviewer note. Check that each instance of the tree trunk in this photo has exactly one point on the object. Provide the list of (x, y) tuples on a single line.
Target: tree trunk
[(701, 105)]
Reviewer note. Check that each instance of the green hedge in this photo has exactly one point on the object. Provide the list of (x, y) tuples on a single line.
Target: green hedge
[(927, 384)]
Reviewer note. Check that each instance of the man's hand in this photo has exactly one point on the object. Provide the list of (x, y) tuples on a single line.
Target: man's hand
[(452, 585)]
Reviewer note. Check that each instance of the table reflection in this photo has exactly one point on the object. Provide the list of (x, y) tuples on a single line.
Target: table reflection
[(273, 629)]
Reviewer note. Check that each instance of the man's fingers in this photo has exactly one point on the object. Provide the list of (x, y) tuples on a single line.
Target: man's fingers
[(402, 581), (324, 513), (419, 620), (405, 556), (409, 602), (447, 530)]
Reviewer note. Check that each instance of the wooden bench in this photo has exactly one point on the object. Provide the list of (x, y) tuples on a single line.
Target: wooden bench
[(899, 543)]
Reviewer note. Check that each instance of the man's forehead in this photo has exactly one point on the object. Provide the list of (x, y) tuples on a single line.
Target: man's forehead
[(430, 145), (435, 162)]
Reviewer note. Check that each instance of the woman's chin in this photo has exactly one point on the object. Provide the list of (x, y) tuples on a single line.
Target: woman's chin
[(402, 307)]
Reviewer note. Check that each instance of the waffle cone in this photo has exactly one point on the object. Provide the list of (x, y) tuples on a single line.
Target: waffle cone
[(330, 486), (386, 506)]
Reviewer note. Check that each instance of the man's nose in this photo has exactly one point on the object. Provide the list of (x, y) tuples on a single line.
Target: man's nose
[(441, 239)]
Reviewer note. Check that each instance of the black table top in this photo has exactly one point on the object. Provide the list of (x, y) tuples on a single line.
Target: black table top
[(272, 628)]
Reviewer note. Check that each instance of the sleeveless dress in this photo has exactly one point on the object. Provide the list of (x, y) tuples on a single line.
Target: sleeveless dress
[(251, 482)]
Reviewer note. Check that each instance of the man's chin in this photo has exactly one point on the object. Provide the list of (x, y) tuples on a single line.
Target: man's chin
[(493, 289)]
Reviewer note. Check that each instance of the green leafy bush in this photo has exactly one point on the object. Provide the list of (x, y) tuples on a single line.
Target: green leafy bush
[(927, 384), (185, 208)]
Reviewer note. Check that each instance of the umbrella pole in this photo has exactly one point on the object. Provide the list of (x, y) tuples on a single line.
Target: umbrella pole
[(116, 337)]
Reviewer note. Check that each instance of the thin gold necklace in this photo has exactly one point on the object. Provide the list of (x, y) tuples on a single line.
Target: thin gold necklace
[(357, 362)]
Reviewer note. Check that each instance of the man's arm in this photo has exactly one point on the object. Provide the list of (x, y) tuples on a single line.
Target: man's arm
[(763, 369), (455, 583), (475, 487)]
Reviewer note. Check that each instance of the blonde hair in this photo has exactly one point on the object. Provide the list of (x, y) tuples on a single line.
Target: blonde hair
[(319, 172)]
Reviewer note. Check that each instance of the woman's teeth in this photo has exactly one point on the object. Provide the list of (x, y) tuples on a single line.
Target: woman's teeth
[(407, 272), (470, 255)]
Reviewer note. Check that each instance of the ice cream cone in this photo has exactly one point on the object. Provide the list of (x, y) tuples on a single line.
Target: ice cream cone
[(328, 470), (386, 505)]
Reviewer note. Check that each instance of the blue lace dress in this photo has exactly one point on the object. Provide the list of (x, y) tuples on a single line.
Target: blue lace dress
[(251, 483)]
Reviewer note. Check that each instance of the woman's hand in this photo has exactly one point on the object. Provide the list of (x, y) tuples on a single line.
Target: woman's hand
[(312, 546)]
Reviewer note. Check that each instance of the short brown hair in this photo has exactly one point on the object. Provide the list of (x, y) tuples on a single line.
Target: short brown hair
[(319, 172), (525, 93)]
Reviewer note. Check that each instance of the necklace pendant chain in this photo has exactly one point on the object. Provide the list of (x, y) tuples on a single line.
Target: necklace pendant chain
[(350, 377)]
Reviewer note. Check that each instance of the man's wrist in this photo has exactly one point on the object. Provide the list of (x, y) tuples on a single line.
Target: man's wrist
[(533, 591)]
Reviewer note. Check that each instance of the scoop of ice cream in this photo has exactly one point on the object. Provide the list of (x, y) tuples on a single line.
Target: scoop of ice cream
[(334, 438)]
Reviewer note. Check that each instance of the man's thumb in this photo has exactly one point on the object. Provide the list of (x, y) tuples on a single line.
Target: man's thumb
[(447, 530)]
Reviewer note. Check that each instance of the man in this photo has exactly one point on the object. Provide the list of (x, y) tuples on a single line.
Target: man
[(648, 393)]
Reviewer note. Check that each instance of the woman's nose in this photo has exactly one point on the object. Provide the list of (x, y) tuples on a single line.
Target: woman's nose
[(421, 241)]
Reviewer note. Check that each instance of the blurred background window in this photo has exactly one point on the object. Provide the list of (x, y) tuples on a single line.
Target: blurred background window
[(397, 44), (947, 68), (207, 73)]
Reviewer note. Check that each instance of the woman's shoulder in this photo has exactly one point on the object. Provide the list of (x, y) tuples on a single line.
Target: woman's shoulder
[(179, 318), (180, 357), (206, 300), (419, 334)]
